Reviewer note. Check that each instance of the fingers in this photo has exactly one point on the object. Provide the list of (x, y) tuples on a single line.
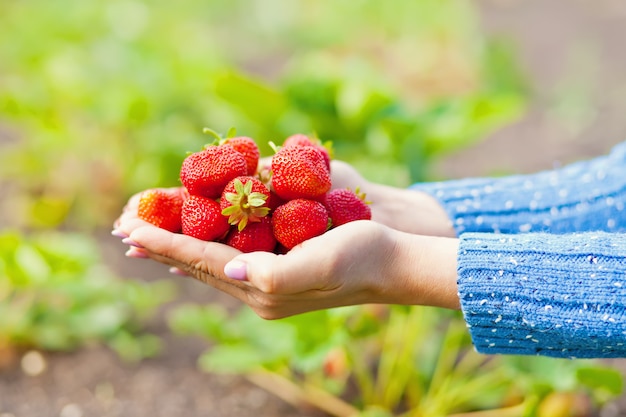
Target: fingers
[(188, 256), (127, 224), (258, 268), (294, 273), (272, 285), (345, 176), (177, 249), (129, 211)]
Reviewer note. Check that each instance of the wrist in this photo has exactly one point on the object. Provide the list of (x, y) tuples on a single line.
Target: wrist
[(409, 211), (425, 271)]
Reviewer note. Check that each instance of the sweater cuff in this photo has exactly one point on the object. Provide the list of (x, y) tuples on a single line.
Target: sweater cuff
[(540, 294), (583, 196)]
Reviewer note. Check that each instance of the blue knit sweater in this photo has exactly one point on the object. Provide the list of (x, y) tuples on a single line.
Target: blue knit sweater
[(542, 258)]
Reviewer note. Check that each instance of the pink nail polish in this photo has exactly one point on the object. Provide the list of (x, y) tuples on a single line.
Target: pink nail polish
[(236, 270), (119, 233), (129, 241), (137, 253), (177, 271)]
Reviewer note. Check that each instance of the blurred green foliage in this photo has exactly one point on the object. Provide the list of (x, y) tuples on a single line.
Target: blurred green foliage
[(385, 361), (100, 99), (57, 294)]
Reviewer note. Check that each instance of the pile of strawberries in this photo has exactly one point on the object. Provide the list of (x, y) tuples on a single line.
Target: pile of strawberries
[(226, 197)]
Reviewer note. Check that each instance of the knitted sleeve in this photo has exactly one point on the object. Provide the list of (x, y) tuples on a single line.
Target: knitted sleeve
[(545, 294), (542, 258), (584, 196)]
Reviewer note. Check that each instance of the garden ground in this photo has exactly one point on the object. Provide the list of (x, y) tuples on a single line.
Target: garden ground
[(563, 43)]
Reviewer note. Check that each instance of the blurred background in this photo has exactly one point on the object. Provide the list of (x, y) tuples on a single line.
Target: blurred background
[(101, 99)]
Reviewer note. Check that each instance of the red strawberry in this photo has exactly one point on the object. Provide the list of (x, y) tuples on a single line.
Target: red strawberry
[(345, 205), (274, 201), (207, 172), (162, 207), (255, 237), (300, 139), (244, 200), (248, 148), (299, 220), (300, 172), (202, 218)]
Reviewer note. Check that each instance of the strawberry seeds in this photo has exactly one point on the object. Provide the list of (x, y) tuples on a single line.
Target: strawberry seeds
[(224, 199)]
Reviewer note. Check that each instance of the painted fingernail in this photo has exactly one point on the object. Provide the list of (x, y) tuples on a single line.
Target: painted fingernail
[(134, 252), (235, 270), (177, 271), (129, 241), (119, 233)]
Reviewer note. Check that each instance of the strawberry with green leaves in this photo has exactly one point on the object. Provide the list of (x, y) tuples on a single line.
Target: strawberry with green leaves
[(257, 236), (300, 139), (244, 200), (299, 220), (207, 172), (202, 218), (299, 172), (242, 144), (345, 205), (162, 207), (248, 148)]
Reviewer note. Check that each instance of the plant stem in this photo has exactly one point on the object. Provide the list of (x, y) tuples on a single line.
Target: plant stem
[(362, 375), (403, 364), (513, 411), (296, 394)]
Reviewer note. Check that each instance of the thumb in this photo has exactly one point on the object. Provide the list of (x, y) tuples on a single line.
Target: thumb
[(270, 273)]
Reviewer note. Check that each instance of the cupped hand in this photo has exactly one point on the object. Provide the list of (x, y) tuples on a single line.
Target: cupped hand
[(357, 263), (349, 265), (186, 255), (344, 266), (403, 209), (406, 210), (386, 260)]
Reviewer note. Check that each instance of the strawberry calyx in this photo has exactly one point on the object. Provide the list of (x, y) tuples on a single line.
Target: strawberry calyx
[(217, 138), (246, 205), (361, 195)]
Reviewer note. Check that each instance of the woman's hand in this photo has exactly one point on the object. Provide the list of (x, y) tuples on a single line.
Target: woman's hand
[(186, 255), (359, 262), (406, 210)]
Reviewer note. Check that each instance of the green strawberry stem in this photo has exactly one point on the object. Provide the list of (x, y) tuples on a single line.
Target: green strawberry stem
[(213, 133), (217, 138), (273, 146)]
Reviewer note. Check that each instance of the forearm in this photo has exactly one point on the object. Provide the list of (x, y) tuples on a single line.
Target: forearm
[(545, 294), (527, 294), (423, 271)]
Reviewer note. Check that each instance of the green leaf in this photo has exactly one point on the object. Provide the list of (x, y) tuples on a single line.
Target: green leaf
[(133, 348), (206, 321), (31, 263), (275, 338), (237, 359), (258, 101), (601, 378)]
